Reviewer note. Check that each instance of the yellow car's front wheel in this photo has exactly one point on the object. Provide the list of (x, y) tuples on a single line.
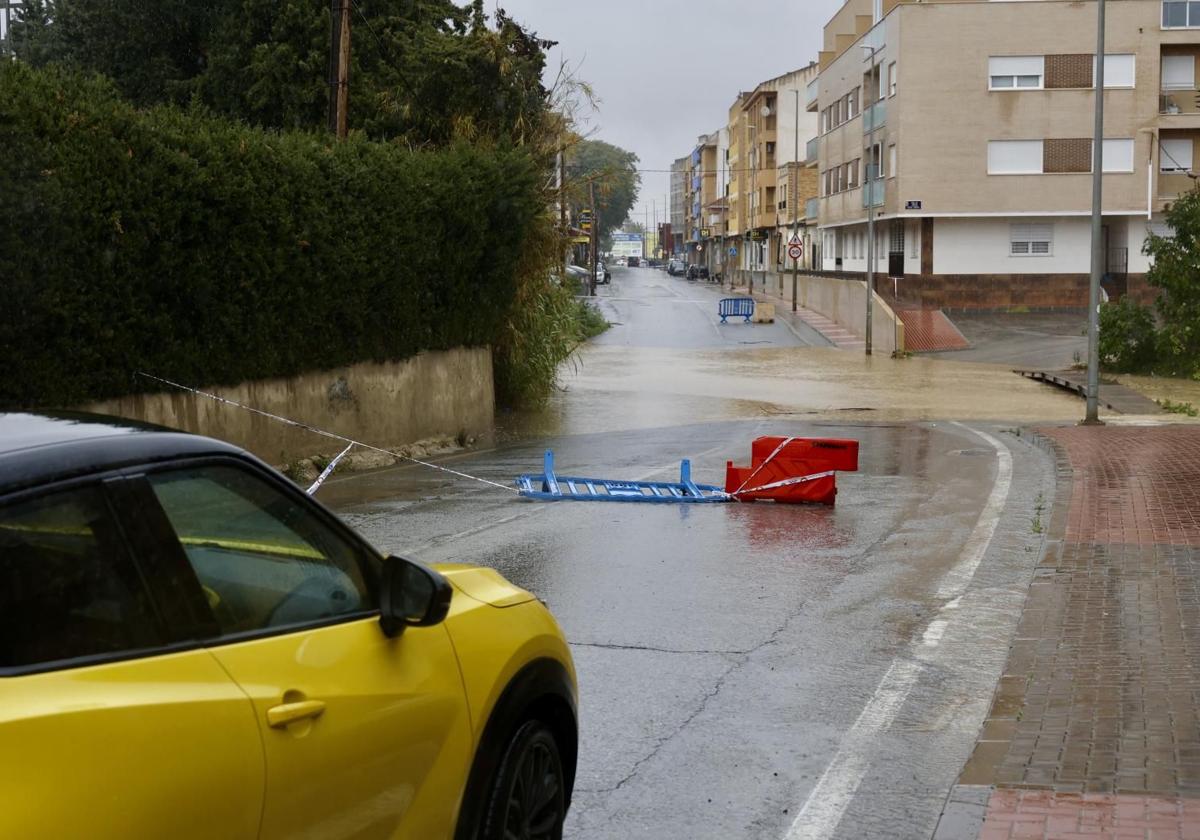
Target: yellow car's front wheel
[(528, 798)]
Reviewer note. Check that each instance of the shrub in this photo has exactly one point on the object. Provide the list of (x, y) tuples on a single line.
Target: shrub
[(1127, 337), (207, 252)]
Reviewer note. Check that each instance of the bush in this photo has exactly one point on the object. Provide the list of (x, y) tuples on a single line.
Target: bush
[(1127, 337), (207, 252)]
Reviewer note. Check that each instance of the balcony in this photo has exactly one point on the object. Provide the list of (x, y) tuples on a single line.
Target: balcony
[(875, 116), (810, 95), (811, 150), (812, 208), (873, 193), (1171, 102)]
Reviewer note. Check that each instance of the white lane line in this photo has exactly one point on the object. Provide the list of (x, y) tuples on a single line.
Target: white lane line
[(827, 803), (955, 581)]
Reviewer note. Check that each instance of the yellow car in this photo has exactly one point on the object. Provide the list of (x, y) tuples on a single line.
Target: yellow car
[(191, 647)]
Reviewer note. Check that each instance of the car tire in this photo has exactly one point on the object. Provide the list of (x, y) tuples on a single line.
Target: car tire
[(530, 779)]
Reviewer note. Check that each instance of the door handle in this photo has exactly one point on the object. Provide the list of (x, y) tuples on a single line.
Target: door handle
[(287, 713)]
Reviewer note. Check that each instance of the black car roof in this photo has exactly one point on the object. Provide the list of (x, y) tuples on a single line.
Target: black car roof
[(37, 448)]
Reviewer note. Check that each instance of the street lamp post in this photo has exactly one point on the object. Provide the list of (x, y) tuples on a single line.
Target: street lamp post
[(872, 171), (1091, 416), (794, 189)]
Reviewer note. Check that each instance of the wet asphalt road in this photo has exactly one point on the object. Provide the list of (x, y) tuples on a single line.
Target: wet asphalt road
[(751, 670)]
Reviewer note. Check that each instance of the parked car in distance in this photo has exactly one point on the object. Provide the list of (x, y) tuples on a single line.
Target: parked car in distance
[(603, 275), (192, 647), (634, 262), (697, 272), (622, 262), (676, 267)]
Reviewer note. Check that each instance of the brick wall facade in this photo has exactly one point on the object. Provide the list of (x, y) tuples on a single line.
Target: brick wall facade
[(1071, 70), (1002, 291), (1067, 155)]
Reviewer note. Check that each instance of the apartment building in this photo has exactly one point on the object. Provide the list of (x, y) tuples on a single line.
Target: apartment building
[(977, 117), (678, 201), (705, 197)]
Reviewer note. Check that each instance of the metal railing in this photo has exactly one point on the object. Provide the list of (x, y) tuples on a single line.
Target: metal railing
[(811, 149), (811, 92)]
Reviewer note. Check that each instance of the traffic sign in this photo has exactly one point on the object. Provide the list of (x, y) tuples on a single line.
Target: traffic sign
[(795, 240), (795, 251)]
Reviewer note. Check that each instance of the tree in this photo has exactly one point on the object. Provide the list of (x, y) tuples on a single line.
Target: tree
[(1176, 274), (153, 49), (614, 173), (422, 71)]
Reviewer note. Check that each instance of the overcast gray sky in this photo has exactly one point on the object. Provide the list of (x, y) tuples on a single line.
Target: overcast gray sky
[(666, 71)]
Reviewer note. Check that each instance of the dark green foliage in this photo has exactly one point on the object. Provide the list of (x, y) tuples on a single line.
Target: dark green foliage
[(1127, 337), (422, 71), (210, 253), (1176, 274)]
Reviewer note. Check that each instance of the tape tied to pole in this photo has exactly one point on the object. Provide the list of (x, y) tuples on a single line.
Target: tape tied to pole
[(325, 473)]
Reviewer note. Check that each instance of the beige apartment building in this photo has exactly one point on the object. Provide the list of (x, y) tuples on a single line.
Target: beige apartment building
[(769, 132), (979, 116), (705, 188)]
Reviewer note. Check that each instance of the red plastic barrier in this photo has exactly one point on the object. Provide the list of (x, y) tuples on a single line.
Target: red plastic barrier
[(792, 470)]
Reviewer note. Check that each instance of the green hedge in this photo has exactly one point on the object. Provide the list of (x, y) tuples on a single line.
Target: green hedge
[(203, 251)]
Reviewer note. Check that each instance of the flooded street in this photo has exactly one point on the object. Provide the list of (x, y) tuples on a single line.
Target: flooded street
[(754, 670)]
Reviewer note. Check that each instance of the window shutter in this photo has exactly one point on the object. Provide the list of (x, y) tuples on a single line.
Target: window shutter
[(1178, 72)]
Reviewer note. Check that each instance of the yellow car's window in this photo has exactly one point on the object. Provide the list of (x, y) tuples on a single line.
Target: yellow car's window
[(263, 559), (67, 586)]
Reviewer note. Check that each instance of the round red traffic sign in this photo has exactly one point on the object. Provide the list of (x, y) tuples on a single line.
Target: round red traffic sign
[(795, 251)]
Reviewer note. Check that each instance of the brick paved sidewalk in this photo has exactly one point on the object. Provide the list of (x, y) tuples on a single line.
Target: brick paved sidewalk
[(1094, 729)]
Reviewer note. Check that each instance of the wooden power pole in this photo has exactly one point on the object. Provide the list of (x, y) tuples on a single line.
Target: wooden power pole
[(339, 66), (595, 238)]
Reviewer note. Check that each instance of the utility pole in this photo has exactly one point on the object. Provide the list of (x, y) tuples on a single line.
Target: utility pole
[(595, 237), (1092, 416), (562, 207), (872, 172), (794, 198), (339, 66)]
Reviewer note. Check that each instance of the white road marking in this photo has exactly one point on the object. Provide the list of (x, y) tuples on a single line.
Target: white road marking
[(934, 632), (827, 802), (955, 582)]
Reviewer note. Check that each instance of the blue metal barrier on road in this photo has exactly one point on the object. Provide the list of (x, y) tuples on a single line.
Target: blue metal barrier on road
[(551, 488), (736, 307)]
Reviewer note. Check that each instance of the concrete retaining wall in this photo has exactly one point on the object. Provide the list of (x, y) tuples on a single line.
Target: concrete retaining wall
[(389, 404), (845, 302)]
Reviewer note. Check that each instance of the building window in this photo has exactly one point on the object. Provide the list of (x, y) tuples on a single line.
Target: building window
[(1119, 70), (1178, 72), (852, 99), (1014, 157), (892, 79), (1031, 240), (1118, 155), (1179, 14), (1009, 72), (852, 174), (897, 233), (1175, 155)]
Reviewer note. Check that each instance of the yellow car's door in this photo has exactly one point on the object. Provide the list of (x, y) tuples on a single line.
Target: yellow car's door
[(364, 736), (109, 726)]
